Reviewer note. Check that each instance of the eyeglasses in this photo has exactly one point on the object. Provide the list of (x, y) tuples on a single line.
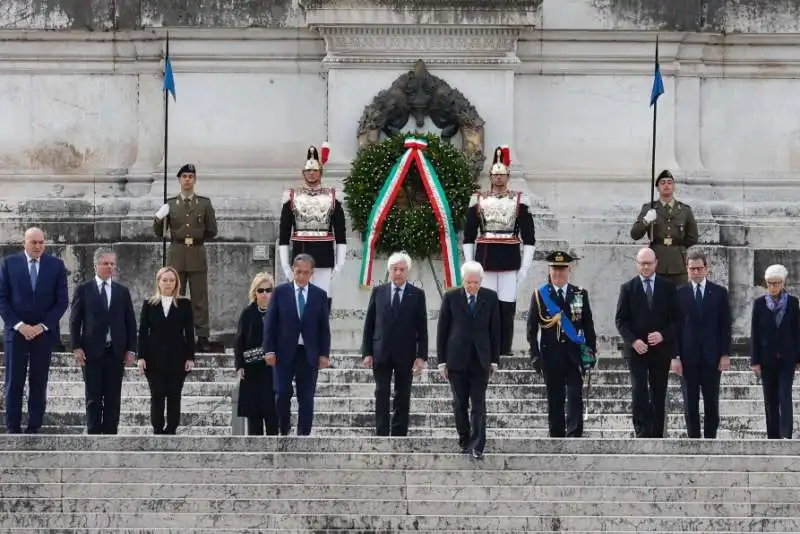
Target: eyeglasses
[(264, 290)]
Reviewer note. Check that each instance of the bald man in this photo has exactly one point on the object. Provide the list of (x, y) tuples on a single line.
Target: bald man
[(648, 319), (33, 297)]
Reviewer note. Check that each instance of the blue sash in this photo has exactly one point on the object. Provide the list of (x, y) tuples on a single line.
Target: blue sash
[(553, 310)]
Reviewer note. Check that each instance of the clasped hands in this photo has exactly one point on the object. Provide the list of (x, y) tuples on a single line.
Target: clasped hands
[(271, 360), (419, 365), (30, 332), (653, 339)]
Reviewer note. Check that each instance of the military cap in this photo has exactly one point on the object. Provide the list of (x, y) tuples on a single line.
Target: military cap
[(559, 258), (664, 174), (188, 168)]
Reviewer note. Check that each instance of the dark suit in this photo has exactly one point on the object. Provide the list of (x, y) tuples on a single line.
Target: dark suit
[(166, 343), (296, 361), (104, 333), (561, 360), (256, 390), (649, 371), (394, 338), (468, 344), (776, 348), (21, 303), (705, 336)]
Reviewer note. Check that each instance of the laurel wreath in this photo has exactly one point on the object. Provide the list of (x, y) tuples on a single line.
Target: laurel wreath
[(411, 224)]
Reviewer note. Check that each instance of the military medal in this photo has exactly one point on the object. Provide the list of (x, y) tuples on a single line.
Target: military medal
[(667, 241)]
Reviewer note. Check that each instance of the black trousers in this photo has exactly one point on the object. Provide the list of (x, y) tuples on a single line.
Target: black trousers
[(469, 396), (776, 383), (563, 382), (649, 379), (403, 373), (165, 391), (258, 425), (102, 378), (699, 377)]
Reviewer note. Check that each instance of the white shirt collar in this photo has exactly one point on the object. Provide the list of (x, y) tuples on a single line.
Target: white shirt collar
[(562, 288), (99, 281), (702, 285), (296, 287), (402, 288), (28, 258), (652, 278)]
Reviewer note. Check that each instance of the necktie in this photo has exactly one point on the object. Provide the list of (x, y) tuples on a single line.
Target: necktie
[(698, 297), (34, 272), (396, 300), (104, 294), (301, 302), (561, 297), (648, 290), (668, 208), (472, 304)]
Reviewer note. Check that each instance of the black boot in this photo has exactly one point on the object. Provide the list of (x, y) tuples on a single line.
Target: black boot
[(507, 312)]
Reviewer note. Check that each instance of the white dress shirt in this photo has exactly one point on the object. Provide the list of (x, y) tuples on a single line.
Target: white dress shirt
[(702, 286), (99, 281), (652, 279), (166, 303), (38, 273), (402, 291)]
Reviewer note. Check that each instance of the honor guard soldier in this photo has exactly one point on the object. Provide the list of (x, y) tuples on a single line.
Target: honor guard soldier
[(567, 346), (191, 221), (671, 228), (312, 221), (498, 221)]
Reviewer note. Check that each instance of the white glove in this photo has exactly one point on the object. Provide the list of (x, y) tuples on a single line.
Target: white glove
[(283, 250), (650, 216), (341, 258), (469, 251), (162, 212), (527, 258), (522, 274)]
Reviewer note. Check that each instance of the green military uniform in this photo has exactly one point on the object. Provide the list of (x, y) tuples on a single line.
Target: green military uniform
[(191, 222), (673, 231)]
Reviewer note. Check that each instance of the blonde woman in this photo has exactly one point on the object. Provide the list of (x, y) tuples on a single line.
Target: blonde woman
[(256, 392), (166, 348)]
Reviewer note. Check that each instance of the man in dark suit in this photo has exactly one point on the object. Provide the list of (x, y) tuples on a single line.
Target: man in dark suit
[(297, 343), (563, 313), (102, 328), (468, 348), (395, 341), (33, 298), (648, 319), (704, 345)]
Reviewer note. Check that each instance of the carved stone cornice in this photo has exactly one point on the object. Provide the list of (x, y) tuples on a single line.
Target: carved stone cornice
[(478, 32)]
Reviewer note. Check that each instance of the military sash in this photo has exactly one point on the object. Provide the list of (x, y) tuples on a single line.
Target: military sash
[(557, 316)]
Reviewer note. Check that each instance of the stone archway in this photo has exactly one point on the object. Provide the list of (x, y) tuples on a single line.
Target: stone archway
[(419, 94)]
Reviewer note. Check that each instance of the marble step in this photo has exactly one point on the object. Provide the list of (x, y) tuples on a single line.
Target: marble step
[(195, 404), (345, 376), (350, 360), (362, 523), (613, 421), (131, 388), (736, 432)]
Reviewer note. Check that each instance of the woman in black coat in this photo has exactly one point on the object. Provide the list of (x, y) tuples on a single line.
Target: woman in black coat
[(256, 392), (166, 349), (775, 351)]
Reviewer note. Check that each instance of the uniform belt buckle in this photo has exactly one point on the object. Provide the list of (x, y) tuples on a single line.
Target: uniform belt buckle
[(188, 241), (667, 241)]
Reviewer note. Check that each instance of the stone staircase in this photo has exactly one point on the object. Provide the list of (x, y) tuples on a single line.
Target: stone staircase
[(342, 480)]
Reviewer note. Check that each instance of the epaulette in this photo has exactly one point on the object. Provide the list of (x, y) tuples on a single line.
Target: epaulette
[(473, 199), (201, 197), (170, 199)]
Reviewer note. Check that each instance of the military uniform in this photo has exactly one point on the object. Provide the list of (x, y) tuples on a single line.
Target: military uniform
[(191, 222), (497, 224), (673, 231), (313, 222), (560, 353)]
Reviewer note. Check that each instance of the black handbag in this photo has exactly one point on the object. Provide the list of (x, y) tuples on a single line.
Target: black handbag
[(253, 355)]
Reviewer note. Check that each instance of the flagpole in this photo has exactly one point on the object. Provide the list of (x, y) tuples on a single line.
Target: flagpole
[(653, 157), (166, 159)]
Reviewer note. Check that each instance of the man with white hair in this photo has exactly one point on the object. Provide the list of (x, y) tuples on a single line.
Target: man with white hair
[(468, 349), (395, 342), (503, 219)]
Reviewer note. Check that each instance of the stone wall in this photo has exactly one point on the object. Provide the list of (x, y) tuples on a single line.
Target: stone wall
[(566, 83)]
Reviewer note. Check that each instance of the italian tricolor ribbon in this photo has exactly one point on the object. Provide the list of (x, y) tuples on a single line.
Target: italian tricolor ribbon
[(441, 208)]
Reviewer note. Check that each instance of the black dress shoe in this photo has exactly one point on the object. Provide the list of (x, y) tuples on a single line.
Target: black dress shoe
[(478, 455), (203, 345), (31, 430)]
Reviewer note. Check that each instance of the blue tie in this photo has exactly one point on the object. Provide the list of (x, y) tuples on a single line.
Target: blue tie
[(472, 304), (698, 297), (301, 302), (34, 272)]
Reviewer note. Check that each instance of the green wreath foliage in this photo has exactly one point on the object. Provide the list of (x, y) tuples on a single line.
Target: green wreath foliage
[(411, 227)]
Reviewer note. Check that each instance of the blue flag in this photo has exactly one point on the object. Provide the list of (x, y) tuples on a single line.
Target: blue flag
[(658, 85), (169, 78)]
